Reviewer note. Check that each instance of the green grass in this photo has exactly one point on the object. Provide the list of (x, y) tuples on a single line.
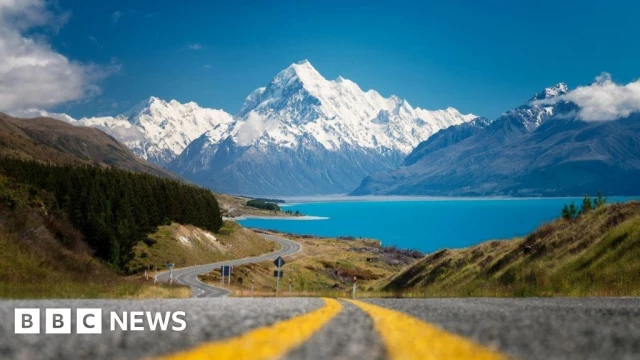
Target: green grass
[(197, 246)]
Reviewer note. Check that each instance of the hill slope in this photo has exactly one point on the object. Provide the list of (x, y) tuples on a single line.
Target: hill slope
[(593, 255), (53, 141)]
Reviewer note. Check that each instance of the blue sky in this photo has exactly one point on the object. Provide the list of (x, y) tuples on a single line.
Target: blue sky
[(479, 56)]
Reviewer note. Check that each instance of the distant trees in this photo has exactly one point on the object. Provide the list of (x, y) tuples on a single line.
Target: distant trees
[(599, 200), (586, 205), (115, 209), (260, 204), (277, 201), (571, 212)]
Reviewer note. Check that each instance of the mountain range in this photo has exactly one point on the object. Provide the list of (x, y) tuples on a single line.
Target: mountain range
[(540, 148), (301, 134), (305, 135)]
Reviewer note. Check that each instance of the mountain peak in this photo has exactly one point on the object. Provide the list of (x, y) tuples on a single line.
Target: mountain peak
[(302, 71), (552, 91)]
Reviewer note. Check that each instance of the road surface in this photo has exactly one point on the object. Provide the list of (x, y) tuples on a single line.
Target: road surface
[(315, 328), (189, 276)]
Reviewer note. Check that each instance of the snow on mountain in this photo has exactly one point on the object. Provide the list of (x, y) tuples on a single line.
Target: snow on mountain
[(158, 130), (533, 114), (335, 113), (535, 149), (304, 134)]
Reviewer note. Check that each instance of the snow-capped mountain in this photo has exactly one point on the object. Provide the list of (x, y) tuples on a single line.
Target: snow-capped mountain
[(335, 113), (154, 129), (304, 134), (537, 149), (158, 131)]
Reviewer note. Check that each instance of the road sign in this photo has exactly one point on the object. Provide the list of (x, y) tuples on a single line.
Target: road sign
[(226, 270), (279, 261), (278, 273)]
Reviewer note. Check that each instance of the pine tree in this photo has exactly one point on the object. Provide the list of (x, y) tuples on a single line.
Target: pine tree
[(569, 212), (599, 200), (586, 205)]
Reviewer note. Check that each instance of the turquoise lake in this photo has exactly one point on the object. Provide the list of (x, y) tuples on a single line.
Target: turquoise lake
[(426, 225)]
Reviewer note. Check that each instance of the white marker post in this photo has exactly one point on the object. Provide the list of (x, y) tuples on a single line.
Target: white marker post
[(146, 275), (355, 282), (170, 265)]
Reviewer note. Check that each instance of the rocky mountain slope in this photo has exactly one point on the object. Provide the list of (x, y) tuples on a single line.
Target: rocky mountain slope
[(541, 148)]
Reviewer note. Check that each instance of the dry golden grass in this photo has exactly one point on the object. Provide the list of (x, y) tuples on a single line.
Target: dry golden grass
[(324, 267), (594, 255)]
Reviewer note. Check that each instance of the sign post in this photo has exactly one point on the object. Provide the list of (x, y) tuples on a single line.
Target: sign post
[(170, 265), (225, 270), (355, 282), (279, 263)]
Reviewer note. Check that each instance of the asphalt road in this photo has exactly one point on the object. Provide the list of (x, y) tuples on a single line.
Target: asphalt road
[(310, 328), (189, 276), (219, 327)]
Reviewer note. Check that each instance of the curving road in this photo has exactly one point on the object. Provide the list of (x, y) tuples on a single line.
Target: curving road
[(189, 276)]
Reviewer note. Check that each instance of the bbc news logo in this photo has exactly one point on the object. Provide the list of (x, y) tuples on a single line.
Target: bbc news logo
[(89, 321)]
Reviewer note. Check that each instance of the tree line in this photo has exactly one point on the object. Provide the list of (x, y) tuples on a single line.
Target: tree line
[(260, 204), (571, 211), (115, 209)]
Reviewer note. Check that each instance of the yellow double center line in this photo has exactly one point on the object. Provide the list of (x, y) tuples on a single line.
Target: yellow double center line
[(404, 337), (268, 342)]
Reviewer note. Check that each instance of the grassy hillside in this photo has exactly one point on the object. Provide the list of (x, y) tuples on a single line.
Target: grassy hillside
[(189, 245), (114, 209), (53, 141), (44, 256), (595, 254), (324, 265)]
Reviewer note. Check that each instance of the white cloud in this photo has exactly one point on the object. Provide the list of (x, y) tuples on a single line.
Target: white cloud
[(604, 99), (251, 129), (116, 15), (124, 133), (195, 46), (34, 113), (32, 73)]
